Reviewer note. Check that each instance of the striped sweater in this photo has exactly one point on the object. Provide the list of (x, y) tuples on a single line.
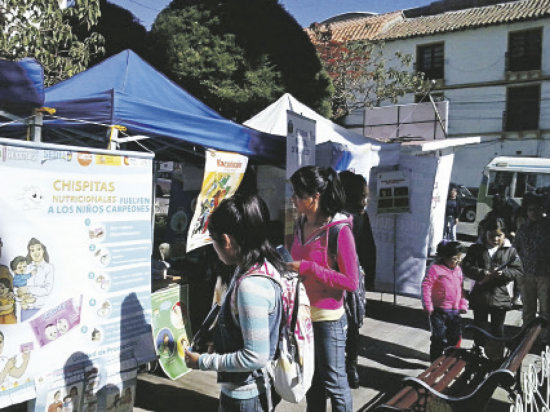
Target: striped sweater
[(255, 300)]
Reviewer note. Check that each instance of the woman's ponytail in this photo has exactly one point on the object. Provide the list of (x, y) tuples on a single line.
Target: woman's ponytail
[(333, 197)]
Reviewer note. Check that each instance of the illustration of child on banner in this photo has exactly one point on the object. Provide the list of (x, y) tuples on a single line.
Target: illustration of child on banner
[(223, 172)]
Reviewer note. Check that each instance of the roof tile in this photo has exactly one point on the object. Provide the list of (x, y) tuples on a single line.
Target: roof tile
[(467, 18), (360, 28)]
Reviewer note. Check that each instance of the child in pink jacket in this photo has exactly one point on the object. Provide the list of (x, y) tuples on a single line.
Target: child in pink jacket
[(443, 299)]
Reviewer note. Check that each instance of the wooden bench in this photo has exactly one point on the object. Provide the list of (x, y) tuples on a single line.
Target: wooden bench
[(463, 379)]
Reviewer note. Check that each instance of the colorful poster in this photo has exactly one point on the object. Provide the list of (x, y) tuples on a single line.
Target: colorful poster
[(223, 172), (300, 151), (171, 328), (75, 267)]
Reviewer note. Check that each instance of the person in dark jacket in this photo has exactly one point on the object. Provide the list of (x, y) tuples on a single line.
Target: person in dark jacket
[(533, 245), (355, 188), (452, 213), (493, 264)]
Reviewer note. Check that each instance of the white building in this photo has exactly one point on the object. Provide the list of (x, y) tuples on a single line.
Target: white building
[(492, 64)]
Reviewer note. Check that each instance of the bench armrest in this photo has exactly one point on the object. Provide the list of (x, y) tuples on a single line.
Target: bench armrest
[(499, 377), (508, 339)]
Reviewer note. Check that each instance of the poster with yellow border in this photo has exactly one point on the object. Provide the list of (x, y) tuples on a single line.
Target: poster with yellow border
[(223, 173)]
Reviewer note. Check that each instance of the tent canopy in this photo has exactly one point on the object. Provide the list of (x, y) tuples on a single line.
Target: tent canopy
[(125, 90), (337, 147), (21, 86)]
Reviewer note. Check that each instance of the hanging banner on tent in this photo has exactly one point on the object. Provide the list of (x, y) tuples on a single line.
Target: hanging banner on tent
[(171, 328), (300, 142), (223, 172), (75, 274), (300, 151)]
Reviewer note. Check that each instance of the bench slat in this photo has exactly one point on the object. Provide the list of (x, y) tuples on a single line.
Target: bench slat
[(516, 358), (450, 376), (444, 367), (458, 369)]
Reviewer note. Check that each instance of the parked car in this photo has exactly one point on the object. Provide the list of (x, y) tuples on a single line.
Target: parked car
[(467, 202)]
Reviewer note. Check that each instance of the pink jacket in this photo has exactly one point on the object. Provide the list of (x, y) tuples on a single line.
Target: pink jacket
[(325, 286), (442, 288)]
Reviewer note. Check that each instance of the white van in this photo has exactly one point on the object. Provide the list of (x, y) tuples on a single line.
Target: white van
[(511, 178)]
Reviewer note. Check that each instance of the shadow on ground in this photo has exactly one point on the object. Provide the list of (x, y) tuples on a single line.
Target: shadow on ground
[(168, 398), (391, 354), (385, 382), (401, 315)]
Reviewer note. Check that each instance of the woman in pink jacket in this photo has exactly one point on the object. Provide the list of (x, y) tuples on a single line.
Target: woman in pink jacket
[(319, 199), (442, 297)]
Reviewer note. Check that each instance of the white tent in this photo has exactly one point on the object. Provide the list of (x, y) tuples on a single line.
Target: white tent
[(336, 146)]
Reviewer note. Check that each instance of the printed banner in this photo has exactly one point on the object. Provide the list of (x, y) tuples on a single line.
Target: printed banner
[(75, 268), (300, 142), (300, 151), (223, 172), (171, 328)]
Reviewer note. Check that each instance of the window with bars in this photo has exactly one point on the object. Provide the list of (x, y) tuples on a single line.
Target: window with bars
[(524, 50), (430, 60), (522, 108)]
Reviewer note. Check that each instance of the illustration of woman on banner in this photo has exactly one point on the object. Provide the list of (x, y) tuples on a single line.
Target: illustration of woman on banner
[(40, 284)]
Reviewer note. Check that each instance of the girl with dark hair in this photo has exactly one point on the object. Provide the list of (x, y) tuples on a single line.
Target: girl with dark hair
[(319, 200), (442, 297), (355, 188), (247, 327), (492, 263)]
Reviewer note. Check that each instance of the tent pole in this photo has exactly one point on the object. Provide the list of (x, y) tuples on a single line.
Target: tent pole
[(36, 126), (438, 116), (394, 260), (113, 135)]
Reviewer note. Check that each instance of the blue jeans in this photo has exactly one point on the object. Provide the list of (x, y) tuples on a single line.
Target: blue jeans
[(446, 331), (450, 228), (256, 404), (330, 376)]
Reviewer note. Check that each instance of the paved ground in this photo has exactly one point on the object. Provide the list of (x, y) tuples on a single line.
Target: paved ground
[(394, 344)]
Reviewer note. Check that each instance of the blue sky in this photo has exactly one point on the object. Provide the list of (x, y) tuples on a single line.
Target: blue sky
[(304, 11)]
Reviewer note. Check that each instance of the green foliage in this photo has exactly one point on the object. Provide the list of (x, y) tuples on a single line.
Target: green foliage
[(362, 75), (40, 29), (238, 56)]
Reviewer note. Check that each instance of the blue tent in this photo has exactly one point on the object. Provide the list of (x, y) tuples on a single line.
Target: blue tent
[(21, 86), (125, 90)]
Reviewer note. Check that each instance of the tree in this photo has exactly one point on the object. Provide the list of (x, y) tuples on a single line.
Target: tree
[(50, 34), (237, 56), (361, 74), (121, 30)]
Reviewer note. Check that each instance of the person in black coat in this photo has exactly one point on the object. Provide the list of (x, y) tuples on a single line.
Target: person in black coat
[(493, 264), (452, 213), (355, 188)]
